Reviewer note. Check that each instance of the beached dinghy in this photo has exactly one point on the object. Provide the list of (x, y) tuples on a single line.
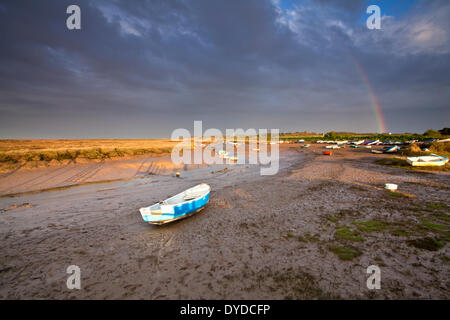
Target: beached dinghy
[(177, 207), (371, 142), (423, 161), (392, 149)]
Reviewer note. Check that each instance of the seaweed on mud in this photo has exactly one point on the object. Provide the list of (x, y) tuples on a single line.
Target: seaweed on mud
[(346, 233), (426, 243), (345, 253)]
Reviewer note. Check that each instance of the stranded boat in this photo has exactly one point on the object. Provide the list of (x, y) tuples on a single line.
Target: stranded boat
[(177, 207), (392, 149), (423, 161)]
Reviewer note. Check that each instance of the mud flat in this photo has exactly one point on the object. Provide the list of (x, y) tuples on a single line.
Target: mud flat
[(308, 232)]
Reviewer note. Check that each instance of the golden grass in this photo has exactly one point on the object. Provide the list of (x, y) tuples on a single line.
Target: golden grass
[(15, 152), (440, 148)]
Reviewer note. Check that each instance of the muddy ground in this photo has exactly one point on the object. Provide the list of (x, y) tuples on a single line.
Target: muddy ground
[(309, 232)]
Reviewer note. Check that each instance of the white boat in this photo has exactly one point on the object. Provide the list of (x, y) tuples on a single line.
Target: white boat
[(424, 161), (333, 147), (177, 207), (371, 142), (392, 149)]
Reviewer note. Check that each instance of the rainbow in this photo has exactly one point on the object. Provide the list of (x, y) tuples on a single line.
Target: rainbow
[(373, 98)]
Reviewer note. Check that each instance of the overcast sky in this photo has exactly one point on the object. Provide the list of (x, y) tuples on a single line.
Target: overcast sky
[(140, 69)]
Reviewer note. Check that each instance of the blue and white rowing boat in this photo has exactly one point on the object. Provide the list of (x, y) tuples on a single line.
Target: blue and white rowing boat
[(177, 207)]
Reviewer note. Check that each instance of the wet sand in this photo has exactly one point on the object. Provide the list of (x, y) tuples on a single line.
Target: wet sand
[(259, 237)]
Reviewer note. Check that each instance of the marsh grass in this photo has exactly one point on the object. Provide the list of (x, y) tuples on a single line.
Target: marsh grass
[(308, 238), (437, 205), (16, 152), (345, 253), (346, 233), (426, 243), (371, 225)]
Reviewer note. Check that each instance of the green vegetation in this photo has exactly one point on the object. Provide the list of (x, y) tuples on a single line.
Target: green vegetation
[(434, 226), (426, 243), (445, 131), (345, 253), (345, 233), (289, 235), (357, 188), (400, 233), (333, 219), (432, 133), (308, 238), (437, 205), (380, 262), (393, 162), (396, 194), (441, 148), (332, 135), (441, 216), (371, 225)]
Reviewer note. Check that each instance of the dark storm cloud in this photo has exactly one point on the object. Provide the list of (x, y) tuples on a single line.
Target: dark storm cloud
[(144, 68)]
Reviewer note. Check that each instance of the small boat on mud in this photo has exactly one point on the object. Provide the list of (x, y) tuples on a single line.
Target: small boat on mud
[(327, 153), (424, 161), (306, 146), (392, 149), (177, 207), (371, 142)]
